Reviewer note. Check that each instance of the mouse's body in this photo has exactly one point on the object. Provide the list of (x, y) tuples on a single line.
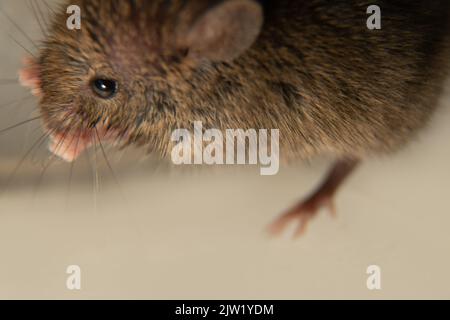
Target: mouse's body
[(312, 69)]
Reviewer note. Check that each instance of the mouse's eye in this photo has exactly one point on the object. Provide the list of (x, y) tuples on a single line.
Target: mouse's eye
[(104, 88)]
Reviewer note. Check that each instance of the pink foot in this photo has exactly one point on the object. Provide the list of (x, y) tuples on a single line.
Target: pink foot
[(322, 198), (303, 213)]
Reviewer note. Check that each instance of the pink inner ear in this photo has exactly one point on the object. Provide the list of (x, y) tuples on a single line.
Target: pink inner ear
[(29, 76)]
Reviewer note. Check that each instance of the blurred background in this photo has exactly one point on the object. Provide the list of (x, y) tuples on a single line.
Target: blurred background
[(162, 232)]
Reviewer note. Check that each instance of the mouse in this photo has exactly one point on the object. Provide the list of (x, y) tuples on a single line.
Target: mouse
[(136, 70)]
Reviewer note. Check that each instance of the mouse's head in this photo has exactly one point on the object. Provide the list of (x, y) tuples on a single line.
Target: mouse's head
[(133, 71)]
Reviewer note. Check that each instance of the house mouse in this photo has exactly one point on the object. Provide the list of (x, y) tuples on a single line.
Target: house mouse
[(139, 69)]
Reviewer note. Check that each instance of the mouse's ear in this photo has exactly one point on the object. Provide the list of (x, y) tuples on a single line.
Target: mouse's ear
[(225, 31), (29, 76)]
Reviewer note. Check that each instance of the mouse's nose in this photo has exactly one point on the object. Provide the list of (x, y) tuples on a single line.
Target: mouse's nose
[(69, 146)]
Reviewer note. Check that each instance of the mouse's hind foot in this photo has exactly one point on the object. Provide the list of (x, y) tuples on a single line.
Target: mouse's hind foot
[(323, 197), (303, 213)]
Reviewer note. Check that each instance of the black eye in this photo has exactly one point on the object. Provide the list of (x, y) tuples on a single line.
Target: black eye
[(104, 88)]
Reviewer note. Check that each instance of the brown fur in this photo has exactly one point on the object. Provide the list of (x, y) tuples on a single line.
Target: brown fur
[(316, 73)]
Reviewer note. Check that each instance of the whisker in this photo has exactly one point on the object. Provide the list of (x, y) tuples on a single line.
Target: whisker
[(19, 125), (21, 162), (72, 165), (50, 162), (21, 45), (9, 81), (108, 163), (34, 153), (45, 21), (89, 161), (96, 177), (21, 99), (18, 27), (16, 107), (30, 5), (49, 8), (69, 186)]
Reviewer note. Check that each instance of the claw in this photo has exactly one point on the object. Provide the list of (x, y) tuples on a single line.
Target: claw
[(303, 212), (322, 198)]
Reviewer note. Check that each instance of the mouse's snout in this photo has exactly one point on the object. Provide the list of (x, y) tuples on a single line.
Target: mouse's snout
[(70, 145), (69, 138)]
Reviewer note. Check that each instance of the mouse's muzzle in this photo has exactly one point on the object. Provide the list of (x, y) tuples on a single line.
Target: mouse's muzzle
[(69, 146), (66, 144)]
